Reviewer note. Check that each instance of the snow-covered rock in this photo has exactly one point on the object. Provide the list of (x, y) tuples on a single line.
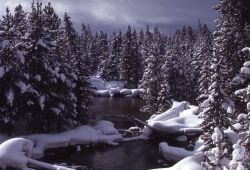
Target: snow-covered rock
[(246, 49), (105, 128), (15, 153), (104, 88), (125, 92), (245, 70), (102, 93)]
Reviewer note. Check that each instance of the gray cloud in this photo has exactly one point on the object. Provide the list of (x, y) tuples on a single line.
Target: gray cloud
[(114, 15)]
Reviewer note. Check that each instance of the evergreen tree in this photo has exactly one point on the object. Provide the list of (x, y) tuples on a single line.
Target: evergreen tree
[(202, 60), (137, 63), (110, 70), (204, 82), (152, 73), (102, 50), (145, 41), (230, 35), (240, 155), (216, 119), (11, 73), (173, 54), (164, 98), (77, 60), (129, 61), (45, 102), (92, 59)]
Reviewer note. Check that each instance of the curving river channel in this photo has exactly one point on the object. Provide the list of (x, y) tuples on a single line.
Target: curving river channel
[(134, 155)]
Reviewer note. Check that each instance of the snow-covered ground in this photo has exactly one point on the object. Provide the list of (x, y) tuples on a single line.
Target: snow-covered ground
[(113, 88), (21, 152)]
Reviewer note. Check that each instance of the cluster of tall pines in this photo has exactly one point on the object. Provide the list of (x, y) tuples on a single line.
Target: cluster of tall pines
[(43, 73), (45, 65), (227, 105)]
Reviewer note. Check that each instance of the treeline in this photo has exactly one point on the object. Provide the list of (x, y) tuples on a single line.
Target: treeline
[(167, 67), (45, 64)]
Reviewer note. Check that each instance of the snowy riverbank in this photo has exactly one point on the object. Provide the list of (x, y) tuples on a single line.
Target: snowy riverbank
[(182, 120), (103, 88), (21, 152)]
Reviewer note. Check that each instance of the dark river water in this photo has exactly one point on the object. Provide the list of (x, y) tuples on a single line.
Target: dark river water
[(134, 155)]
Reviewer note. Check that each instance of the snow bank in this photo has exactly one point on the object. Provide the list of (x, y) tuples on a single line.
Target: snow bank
[(17, 152), (176, 153), (103, 132), (102, 93), (125, 92), (189, 163), (180, 118), (112, 88)]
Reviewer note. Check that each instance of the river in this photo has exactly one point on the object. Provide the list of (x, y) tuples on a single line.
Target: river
[(134, 155)]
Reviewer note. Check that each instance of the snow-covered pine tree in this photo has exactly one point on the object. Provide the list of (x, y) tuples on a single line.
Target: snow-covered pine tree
[(151, 76), (81, 90), (202, 60), (84, 38), (137, 63), (204, 82), (141, 40), (164, 96), (230, 36), (12, 51), (62, 89), (145, 40), (102, 50), (88, 47), (110, 70), (241, 154), (129, 61), (20, 22), (46, 102), (173, 53), (92, 59), (216, 119), (187, 40)]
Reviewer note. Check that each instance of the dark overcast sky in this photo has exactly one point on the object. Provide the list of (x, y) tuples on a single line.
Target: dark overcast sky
[(114, 15)]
